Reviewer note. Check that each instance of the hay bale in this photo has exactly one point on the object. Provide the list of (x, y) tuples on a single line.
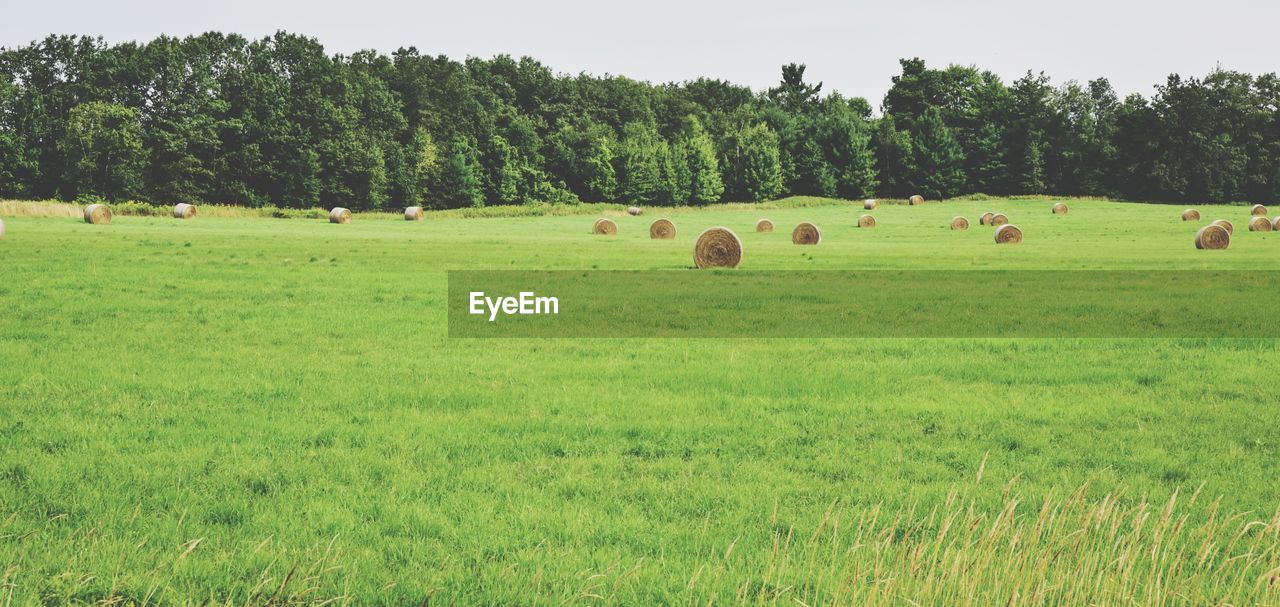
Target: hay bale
[(1213, 237), (1275, 225), (764, 225), (414, 214), (1060, 208), (915, 200), (1226, 225), (183, 210), (999, 219), (806, 233), (986, 218), (1, 228), (340, 215), (866, 221), (633, 211), (1258, 211), (604, 227), (662, 229), (959, 223), (1008, 234), (97, 214), (717, 248), (1259, 224), (870, 204), (1191, 215)]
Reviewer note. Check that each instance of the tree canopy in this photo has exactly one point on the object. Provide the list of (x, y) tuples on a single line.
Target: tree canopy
[(220, 118)]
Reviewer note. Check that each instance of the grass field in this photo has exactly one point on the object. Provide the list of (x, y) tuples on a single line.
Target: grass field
[(252, 411)]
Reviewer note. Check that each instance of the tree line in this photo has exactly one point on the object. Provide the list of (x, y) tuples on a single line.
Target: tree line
[(278, 121)]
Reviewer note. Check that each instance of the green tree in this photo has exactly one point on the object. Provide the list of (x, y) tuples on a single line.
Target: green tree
[(459, 184), (938, 158), (103, 147), (639, 170), (756, 168), (702, 167)]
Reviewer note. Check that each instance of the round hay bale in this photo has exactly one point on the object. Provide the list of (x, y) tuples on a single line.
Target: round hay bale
[(340, 215), (414, 214), (1275, 225), (1259, 224), (1, 228), (870, 204), (97, 214), (999, 219), (633, 211), (806, 233), (1226, 225), (717, 248), (764, 225), (986, 218), (1060, 208), (866, 221), (1191, 215), (1258, 211), (959, 223), (662, 229), (605, 227), (1213, 237), (183, 210), (915, 200), (1008, 234)]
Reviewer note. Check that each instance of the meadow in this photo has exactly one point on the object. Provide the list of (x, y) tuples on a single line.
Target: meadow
[(247, 410)]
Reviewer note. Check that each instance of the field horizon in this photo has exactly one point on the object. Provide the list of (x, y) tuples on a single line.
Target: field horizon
[(228, 410)]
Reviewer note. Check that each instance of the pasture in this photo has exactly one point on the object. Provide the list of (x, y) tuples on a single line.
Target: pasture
[(236, 410)]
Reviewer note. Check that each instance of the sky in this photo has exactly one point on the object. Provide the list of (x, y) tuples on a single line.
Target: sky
[(852, 47)]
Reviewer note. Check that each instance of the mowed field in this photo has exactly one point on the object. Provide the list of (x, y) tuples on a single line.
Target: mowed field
[(253, 411)]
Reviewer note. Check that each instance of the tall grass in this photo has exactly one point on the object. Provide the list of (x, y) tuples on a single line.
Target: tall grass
[(1071, 551)]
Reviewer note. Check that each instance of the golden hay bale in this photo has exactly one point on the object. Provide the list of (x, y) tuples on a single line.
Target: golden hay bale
[(999, 219), (662, 229), (866, 221), (97, 214), (414, 214), (340, 215), (870, 204), (183, 210), (764, 225), (959, 223), (1259, 224), (1258, 211), (1008, 234), (1226, 225), (1060, 208), (986, 218), (1, 228), (806, 233), (1213, 236), (1275, 225), (605, 227), (633, 211), (1191, 215), (915, 200), (717, 248)]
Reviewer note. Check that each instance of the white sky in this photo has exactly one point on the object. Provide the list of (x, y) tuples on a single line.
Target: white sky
[(853, 48)]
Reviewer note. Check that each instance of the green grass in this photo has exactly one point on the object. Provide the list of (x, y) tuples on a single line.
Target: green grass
[(244, 411)]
